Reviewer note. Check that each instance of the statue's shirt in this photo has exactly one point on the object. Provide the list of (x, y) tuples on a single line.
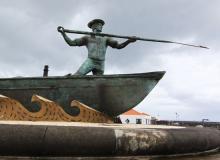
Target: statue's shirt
[(96, 46)]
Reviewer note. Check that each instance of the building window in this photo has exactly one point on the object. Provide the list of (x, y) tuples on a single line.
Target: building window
[(138, 121), (127, 121)]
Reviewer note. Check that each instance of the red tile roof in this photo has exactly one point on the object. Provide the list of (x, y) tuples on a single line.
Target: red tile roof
[(133, 112)]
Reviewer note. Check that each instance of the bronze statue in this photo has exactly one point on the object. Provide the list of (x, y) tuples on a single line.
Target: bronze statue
[(96, 45)]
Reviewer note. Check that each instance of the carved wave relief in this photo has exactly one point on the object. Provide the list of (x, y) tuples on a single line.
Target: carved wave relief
[(11, 109)]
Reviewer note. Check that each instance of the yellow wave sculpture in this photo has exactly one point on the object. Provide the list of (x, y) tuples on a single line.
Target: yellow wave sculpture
[(11, 109)]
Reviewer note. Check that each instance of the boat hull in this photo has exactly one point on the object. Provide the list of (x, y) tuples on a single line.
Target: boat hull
[(111, 94)]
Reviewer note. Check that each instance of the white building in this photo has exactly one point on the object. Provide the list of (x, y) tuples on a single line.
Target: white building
[(134, 117)]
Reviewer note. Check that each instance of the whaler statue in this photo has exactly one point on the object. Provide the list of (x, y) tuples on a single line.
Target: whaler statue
[(96, 46), (80, 97)]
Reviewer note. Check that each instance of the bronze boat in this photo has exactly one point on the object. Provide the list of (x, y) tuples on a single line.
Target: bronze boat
[(111, 94)]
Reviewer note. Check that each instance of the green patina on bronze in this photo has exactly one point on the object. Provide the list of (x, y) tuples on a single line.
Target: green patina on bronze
[(96, 45), (111, 94)]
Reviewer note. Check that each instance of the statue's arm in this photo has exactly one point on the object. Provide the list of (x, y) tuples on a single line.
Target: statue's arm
[(76, 42), (115, 44)]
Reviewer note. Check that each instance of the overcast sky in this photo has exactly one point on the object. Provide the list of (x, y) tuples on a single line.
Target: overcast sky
[(191, 86)]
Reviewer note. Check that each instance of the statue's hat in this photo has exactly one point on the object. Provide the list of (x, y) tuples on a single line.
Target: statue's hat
[(95, 21)]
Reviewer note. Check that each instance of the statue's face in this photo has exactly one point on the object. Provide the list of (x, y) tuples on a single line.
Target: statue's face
[(97, 27)]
